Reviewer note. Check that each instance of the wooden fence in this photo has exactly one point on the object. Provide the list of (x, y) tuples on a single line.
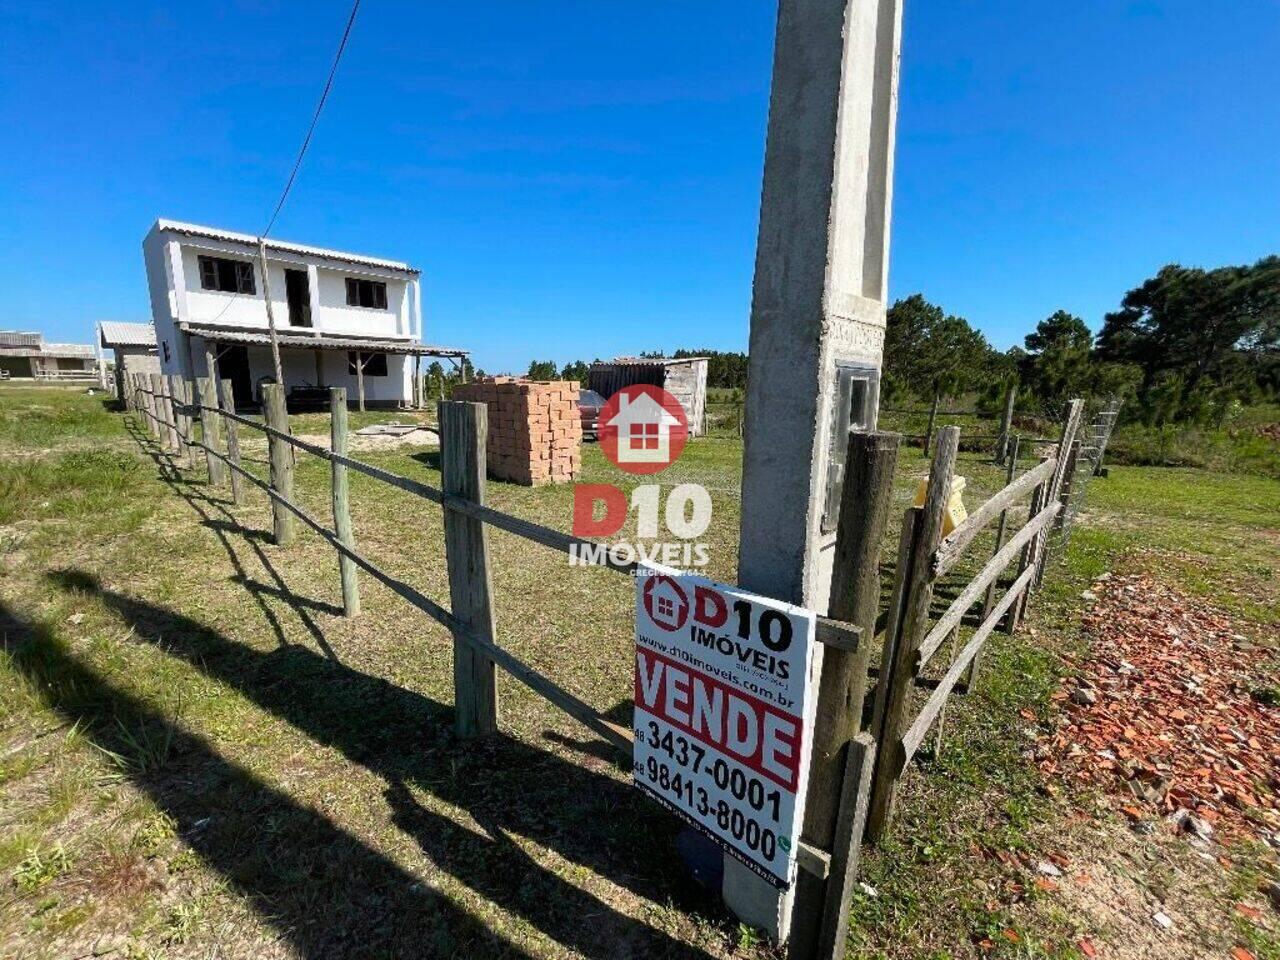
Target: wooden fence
[(170, 408), (854, 772), (913, 637)]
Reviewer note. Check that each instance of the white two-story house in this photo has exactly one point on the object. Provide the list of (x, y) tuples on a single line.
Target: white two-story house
[(341, 319)]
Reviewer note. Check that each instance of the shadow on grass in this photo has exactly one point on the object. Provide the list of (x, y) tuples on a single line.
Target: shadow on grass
[(325, 892), (514, 792), (227, 526), (520, 797)]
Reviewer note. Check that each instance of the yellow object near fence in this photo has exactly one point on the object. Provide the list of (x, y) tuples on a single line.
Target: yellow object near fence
[(956, 514)]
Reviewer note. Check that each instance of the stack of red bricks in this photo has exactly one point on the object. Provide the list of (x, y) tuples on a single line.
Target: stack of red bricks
[(535, 432)]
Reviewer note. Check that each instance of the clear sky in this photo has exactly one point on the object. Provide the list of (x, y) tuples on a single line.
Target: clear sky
[(582, 179)]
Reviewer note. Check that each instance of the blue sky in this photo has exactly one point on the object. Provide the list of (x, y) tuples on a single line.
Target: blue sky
[(582, 179)]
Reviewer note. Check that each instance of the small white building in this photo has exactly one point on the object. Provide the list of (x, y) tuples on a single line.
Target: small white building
[(337, 315)]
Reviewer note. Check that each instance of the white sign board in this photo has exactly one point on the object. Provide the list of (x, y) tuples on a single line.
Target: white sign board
[(722, 703)]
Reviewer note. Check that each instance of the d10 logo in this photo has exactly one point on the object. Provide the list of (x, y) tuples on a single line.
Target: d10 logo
[(643, 429)]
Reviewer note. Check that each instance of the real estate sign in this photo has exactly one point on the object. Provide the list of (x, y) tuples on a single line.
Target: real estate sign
[(722, 703)]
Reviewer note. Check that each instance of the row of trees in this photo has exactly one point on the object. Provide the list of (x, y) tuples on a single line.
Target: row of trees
[(1188, 344)]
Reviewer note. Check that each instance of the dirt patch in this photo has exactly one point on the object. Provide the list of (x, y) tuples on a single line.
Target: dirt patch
[(421, 437), (1156, 897)]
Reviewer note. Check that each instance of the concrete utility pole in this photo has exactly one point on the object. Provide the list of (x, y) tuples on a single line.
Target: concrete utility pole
[(818, 309)]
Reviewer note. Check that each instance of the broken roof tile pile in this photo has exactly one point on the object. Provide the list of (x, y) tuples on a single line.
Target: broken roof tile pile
[(1171, 712)]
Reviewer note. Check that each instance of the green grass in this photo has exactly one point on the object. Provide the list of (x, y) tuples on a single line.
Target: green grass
[(184, 709)]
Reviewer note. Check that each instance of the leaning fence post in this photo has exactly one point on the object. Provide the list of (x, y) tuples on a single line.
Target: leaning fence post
[(1062, 522), (233, 443), (854, 597), (917, 595), (1025, 559), (928, 433), (281, 455), (1066, 443), (209, 429), (341, 509), (464, 431), (1006, 424)]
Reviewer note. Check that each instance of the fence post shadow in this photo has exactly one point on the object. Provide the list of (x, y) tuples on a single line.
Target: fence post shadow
[(511, 789), (304, 876), (193, 494)]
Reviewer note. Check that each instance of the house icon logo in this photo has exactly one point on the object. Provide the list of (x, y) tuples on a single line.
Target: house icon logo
[(643, 429), (666, 603)]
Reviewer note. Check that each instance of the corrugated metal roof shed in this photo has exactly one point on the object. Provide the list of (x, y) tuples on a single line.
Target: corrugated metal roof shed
[(19, 338), (113, 333), (81, 351)]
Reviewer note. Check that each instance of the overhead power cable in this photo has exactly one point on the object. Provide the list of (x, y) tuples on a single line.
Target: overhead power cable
[(328, 85), (297, 164)]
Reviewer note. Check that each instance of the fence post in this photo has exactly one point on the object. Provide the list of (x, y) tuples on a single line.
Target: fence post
[(159, 408), (149, 398), (341, 508), (464, 431), (928, 433), (854, 597), (142, 385), (209, 430), (181, 418), (917, 593), (1110, 416), (169, 416), (1075, 414), (1062, 522), (281, 455), (1025, 559), (1006, 424), (228, 403)]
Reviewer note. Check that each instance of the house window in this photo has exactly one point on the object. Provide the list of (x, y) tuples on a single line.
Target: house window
[(366, 293), (229, 276), (644, 436), (375, 364), (666, 608)]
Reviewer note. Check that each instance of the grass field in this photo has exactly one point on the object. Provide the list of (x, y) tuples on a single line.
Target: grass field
[(200, 757)]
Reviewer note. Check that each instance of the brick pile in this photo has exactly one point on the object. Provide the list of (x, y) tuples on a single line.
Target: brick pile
[(535, 432)]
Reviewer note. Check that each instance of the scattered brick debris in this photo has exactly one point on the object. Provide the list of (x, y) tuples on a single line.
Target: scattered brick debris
[(1162, 714)]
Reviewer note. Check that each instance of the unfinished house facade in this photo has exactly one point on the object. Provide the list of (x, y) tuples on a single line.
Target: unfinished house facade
[(27, 355), (341, 319)]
